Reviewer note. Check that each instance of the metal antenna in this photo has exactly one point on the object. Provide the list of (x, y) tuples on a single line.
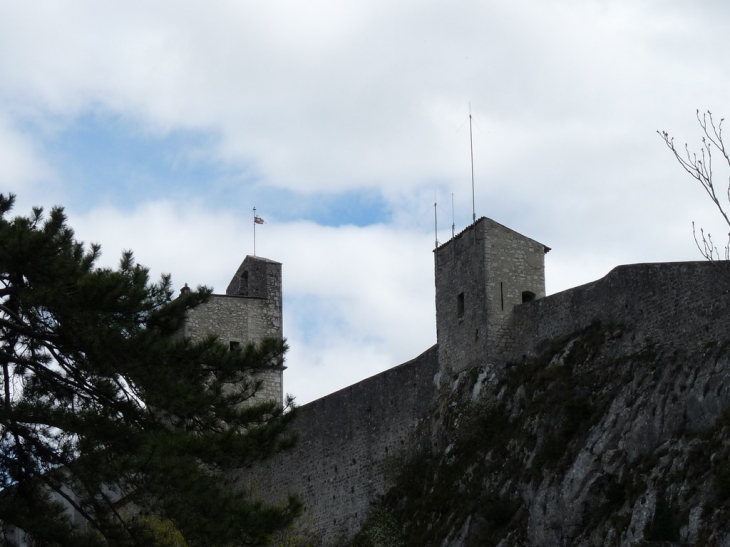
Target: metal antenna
[(254, 231), (435, 223), (471, 149), (453, 222)]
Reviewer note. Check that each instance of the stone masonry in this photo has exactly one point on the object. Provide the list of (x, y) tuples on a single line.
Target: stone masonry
[(687, 299), (350, 444), (249, 312), (481, 275)]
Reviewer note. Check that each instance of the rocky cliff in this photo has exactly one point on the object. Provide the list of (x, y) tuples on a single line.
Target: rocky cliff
[(605, 436)]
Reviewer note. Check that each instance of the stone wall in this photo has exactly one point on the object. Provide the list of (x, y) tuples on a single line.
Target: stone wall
[(233, 319), (686, 299), (346, 442)]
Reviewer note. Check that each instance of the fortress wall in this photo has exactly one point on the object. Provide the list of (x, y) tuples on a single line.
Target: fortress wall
[(673, 302), (345, 441)]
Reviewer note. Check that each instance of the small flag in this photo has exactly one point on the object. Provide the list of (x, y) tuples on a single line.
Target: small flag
[(258, 220)]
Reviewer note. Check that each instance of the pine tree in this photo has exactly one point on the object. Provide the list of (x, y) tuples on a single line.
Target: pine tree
[(107, 408)]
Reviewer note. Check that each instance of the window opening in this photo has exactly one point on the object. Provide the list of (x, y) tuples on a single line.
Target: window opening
[(501, 294), (460, 305), (528, 296), (233, 345)]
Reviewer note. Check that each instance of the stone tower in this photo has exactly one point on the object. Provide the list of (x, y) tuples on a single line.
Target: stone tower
[(481, 275), (249, 312)]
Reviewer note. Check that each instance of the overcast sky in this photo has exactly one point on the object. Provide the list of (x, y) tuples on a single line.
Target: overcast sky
[(160, 125)]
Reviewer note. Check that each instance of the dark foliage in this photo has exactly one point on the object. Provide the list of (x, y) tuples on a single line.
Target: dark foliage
[(107, 408)]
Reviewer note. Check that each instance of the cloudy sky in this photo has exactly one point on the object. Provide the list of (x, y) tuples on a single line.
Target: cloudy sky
[(161, 125)]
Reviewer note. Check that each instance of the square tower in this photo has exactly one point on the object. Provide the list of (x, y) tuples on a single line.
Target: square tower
[(250, 311), (481, 275)]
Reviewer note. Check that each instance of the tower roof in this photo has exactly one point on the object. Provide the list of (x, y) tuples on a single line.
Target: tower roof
[(488, 222)]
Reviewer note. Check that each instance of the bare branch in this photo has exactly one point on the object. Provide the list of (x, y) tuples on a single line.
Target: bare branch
[(701, 168)]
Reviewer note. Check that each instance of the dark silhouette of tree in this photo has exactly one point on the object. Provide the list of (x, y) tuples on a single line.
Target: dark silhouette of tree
[(107, 409), (700, 166)]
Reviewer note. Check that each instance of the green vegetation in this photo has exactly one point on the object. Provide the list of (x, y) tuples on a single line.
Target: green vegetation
[(381, 530), (294, 536), (160, 533), (105, 406)]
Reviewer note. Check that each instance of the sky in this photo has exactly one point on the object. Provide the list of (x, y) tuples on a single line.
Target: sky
[(159, 126)]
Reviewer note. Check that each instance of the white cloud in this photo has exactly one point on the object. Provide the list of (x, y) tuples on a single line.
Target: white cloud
[(320, 96), (356, 300), (22, 165), (330, 97)]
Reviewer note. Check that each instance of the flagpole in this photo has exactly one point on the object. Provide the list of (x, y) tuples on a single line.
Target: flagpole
[(256, 220)]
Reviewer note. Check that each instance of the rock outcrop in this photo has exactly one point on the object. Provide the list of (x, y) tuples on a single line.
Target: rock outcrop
[(597, 440)]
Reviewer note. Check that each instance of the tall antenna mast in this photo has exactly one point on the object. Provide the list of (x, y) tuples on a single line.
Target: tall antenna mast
[(435, 223), (471, 149), (453, 222)]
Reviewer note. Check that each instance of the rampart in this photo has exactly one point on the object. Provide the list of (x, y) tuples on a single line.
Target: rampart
[(345, 443), (690, 300), (339, 466)]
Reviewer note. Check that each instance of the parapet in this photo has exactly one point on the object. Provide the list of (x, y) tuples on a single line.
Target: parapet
[(671, 302)]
